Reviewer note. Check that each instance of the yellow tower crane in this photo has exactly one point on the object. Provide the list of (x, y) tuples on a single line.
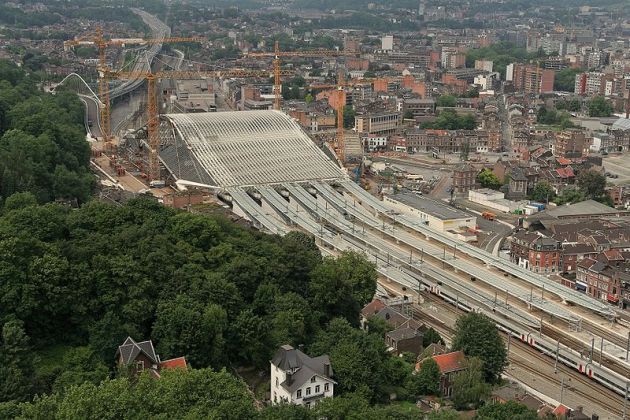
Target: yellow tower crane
[(101, 44), (277, 55), (339, 92)]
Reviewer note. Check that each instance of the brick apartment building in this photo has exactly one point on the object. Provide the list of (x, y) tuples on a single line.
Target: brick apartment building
[(535, 252)]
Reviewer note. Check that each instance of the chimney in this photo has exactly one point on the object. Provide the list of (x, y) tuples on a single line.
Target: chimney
[(327, 370)]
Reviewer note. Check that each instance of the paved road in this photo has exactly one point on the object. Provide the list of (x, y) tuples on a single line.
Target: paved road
[(91, 114)]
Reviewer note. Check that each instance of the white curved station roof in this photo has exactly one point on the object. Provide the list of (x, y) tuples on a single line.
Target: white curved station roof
[(246, 148)]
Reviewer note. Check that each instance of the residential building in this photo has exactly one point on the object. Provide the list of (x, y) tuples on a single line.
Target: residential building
[(450, 364), (452, 141), (297, 378), (374, 142), (404, 340), (139, 357), (600, 280), (464, 178), (531, 79), (535, 252), (570, 143), (591, 83)]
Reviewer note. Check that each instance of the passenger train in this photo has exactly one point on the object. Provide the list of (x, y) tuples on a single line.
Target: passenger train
[(571, 358)]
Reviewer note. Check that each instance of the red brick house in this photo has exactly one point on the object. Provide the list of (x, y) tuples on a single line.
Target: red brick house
[(141, 356), (535, 252), (450, 365), (601, 281)]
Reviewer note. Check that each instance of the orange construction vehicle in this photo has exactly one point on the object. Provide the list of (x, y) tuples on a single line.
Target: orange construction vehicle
[(489, 215)]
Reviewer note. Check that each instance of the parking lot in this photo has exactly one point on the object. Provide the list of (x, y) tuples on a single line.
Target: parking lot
[(618, 165)]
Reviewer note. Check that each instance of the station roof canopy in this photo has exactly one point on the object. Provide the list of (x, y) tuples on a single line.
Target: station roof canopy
[(241, 149)]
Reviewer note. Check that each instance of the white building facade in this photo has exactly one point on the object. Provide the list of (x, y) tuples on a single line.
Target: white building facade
[(299, 379)]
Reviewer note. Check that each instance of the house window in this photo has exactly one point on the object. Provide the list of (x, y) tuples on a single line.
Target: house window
[(317, 388), (326, 387), (299, 393), (313, 379), (308, 390), (140, 365)]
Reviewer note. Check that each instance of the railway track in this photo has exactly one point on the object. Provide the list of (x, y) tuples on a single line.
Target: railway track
[(585, 350), (592, 392), (601, 396)]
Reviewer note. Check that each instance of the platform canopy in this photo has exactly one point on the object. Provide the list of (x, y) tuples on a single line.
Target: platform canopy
[(241, 149)]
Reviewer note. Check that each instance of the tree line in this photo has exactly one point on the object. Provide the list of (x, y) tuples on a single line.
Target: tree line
[(42, 141)]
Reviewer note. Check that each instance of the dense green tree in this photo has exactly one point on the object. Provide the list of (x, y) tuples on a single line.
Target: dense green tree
[(430, 337), (378, 326), (572, 105), (193, 329), (487, 179), (599, 107), (358, 358), (592, 184), (348, 116), (444, 415), (477, 336), (505, 411), (42, 142), (342, 286), (569, 196), (552, 117), (501, 54), (408, 115), (565, 79), (449, 120), (286, 411), (543, 192), (446, 101), (19, 201), (427, 380), (469, 387), (16, 363), (178, 394), (79, 365)]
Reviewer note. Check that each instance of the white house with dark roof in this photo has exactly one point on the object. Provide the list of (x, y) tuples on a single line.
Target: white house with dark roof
[(297, 378)]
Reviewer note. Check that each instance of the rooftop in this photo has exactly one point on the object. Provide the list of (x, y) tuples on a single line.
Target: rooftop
[(303, 366), (239, 149), (429, 206), (584, 208), (451, 362)]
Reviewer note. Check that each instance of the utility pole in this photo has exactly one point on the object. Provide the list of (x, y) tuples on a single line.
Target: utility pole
[(628, 346), (592, 350), (508, 344), (562, 391), (601, 352), (555, 366)]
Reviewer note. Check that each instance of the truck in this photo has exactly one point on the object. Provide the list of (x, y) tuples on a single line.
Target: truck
[(489, 215)]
